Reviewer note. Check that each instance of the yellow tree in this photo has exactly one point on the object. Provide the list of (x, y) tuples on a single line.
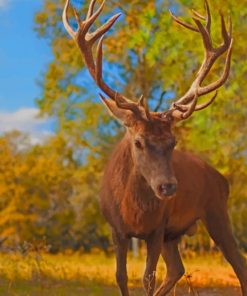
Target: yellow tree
[(155, 57)]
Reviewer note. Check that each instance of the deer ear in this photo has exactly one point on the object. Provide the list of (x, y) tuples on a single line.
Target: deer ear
[(124, 116)]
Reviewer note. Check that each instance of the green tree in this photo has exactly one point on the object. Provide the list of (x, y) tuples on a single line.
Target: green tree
[(153, 56)]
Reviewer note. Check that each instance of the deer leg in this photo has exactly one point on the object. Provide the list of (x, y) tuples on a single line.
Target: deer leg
[(154, 244), (174, 266), (218, 225), (121, 248)]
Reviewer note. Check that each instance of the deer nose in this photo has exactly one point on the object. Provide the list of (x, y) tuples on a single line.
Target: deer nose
[(167, 189)]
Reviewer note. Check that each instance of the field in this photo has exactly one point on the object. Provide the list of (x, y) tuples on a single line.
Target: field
[(74, 274)]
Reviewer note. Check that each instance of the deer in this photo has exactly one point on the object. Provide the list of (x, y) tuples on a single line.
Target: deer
[(150, 190)]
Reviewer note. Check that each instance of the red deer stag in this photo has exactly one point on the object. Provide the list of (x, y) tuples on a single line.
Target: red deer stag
[(149, 190)]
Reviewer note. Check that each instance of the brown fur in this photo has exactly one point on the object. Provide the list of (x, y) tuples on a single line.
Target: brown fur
[(132, 208)]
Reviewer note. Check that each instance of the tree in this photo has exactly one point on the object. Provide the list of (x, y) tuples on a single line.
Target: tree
[(144, 48)]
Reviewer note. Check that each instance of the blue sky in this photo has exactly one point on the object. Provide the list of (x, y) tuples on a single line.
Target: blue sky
[(23, 58)]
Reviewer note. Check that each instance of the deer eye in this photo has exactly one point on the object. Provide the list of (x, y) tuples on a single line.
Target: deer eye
[(138, 144)]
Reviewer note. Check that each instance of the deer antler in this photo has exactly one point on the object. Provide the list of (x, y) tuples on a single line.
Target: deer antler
[(187, 104), (85, 42)]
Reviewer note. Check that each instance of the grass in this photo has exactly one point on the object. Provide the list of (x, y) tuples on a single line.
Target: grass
[(35, 273)]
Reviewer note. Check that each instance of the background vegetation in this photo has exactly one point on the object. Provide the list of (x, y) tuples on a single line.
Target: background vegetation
[(50, 190)]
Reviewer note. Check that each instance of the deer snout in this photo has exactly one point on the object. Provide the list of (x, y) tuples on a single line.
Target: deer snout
[(167, 189)]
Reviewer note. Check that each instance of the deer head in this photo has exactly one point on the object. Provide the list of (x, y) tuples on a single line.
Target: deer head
[(149, 133)]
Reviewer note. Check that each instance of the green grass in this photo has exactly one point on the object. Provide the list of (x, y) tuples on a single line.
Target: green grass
[(74, 274)]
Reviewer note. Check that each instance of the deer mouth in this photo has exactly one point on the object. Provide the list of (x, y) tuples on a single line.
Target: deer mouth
[(165, 197)]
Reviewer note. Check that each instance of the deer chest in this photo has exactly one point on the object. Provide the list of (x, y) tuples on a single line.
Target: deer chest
[(141, 217)]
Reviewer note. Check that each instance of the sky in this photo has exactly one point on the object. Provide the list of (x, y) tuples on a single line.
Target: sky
[(23, 59)]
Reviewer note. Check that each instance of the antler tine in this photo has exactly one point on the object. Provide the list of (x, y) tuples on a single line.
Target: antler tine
[(66, 20), (206, 104), (77, 16), (93, 17), (182, 23), (226, 36), (215, 85), (99, 60), (205, 35), (104, 28), (143, 103), (198, 15), (184, 105), (208, 17), (90, 9)]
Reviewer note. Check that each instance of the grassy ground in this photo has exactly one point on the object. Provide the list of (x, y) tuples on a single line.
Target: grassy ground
[(73, 274)]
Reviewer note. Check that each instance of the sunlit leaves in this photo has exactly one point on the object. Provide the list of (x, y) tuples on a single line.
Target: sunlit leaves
[(151, 54)]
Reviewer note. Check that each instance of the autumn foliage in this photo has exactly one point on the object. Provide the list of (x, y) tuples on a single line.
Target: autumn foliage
[(50, 190)]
